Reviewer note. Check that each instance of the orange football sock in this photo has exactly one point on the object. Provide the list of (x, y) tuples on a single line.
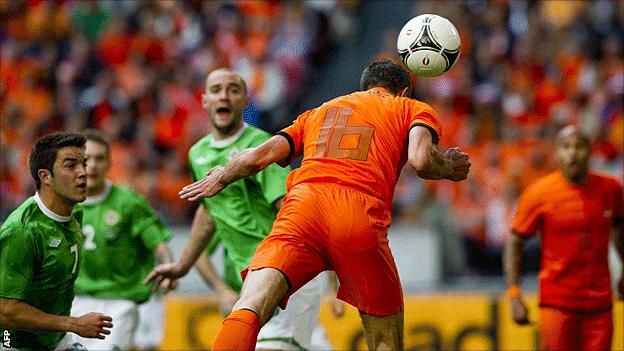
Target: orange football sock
[(239, 331)]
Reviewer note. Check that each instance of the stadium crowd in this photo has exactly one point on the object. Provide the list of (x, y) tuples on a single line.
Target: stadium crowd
[(527, 68), (135, 69)]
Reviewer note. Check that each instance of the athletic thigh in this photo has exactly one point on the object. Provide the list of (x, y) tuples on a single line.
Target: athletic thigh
[(360, 255), (597, 331), (295, 245), (125, 316), (292, 327), (559, 330), (149, 330), (383, 333)]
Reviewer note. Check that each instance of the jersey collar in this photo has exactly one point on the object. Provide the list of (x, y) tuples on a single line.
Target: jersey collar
[(46, 211), (380, 90), (229, 140), (92, 200)]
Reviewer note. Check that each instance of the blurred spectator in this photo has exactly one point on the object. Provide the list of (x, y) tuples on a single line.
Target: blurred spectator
[(134, 70)]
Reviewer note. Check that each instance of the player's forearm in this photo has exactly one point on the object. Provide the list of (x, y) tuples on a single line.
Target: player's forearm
[(424, 157), (512, 260), (244, 165), (163, 254), (20, 315), (434, 167), (209, 274), (253, 160), (202, 231)]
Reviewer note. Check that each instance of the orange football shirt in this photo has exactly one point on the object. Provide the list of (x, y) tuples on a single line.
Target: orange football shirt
[(575, 223), (358, 140)]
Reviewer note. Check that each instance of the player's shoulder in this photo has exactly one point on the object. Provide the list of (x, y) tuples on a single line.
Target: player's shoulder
[(23, 219), (126, 195), (605, 179), (549, 182), (201, 144), (253, 136)]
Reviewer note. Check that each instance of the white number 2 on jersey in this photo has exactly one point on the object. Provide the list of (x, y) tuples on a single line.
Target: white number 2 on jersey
[(89, 232), (74, 249)]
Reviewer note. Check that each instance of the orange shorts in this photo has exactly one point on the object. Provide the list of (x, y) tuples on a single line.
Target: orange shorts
[(569, 331), (331, 227)]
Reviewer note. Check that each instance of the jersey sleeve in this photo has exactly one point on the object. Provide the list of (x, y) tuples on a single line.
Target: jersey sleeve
[(295, 136), (214, 243), (528, 213), (17, 261), (147, 225), (421, 114), (272, 181)]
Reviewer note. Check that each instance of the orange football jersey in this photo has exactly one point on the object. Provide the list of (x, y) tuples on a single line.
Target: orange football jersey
[(358, 140), (575, 223)]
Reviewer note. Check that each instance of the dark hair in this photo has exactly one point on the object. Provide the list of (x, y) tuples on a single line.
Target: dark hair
[(98, 137), (386, 74), (43, 154)]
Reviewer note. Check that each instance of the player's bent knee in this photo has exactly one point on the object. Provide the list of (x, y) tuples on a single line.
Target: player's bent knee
[(262, 290), (383, 333)]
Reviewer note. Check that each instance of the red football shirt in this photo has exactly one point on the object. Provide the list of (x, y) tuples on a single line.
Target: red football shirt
[(575, 223), (359, 140)]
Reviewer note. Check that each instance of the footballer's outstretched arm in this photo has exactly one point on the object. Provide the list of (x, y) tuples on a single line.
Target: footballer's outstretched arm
[(245, 164), (425, 158), (20, 315)]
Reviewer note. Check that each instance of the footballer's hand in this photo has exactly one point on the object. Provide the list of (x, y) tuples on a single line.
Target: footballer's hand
[(164, 275), (92, 325), (166, 285), (207, 187), (227, 299), (519, 312), (337, 306), (459, 163)]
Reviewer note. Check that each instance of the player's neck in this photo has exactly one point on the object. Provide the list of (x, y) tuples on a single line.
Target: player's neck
[(96, 190), (576, 179), (55, 203), (223, 134)]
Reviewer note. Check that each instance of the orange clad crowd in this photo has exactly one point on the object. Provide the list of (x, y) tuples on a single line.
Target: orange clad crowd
[(526, 69), (135, 70)]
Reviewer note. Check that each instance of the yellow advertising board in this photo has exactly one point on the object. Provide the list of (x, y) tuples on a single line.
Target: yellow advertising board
[(432, 322)]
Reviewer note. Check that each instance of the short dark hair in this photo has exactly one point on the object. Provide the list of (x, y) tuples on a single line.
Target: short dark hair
[(386, 74), (98, 137), (43, 154)]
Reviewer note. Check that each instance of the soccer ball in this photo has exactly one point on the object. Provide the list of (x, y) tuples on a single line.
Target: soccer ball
[(429, 45)]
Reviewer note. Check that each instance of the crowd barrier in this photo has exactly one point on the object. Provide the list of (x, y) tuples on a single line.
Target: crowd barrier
[(441, 321)]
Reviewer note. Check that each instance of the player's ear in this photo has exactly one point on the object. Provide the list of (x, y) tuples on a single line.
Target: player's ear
[(405, 92), (45, 176), (204, 101)]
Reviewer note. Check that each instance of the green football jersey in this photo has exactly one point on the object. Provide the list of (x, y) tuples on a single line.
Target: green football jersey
[(39, 262), (243, 212), (121, 231)]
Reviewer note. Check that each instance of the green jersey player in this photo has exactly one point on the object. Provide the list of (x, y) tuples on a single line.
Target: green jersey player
[(241, 217), (123, 237), (40, 245)]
